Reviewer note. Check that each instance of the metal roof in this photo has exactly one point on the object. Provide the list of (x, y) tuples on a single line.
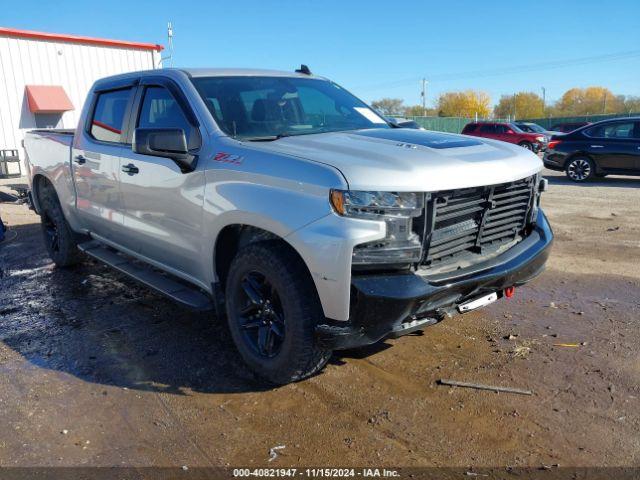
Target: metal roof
[(60, 37), (240, 72)]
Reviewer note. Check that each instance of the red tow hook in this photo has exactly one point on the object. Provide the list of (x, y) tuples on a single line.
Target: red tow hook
[(509, 292)]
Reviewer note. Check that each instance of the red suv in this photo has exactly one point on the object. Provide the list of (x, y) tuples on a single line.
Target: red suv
[(507, 132)]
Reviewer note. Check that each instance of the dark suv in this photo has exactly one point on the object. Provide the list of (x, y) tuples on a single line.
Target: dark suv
[(507, 132), (568, 126), (610, 146)]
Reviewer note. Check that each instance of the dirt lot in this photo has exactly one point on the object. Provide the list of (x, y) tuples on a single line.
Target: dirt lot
[(95, 370)]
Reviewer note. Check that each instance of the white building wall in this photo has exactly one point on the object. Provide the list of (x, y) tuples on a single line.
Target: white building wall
[(74, 66)]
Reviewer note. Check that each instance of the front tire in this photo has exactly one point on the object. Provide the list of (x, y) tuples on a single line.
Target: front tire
[(272, 310), (580, 169), (59, 239), (526, 145)]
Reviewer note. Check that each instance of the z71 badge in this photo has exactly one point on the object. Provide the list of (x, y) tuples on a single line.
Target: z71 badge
[(223, 157)]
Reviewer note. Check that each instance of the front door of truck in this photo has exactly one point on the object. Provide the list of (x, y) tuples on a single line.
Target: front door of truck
[(162, 203), (96, 162)]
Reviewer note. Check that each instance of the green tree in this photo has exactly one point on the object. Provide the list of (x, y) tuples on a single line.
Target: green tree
[(521, 105), (418, 111), (589, 101), (389, 106), (632, 104), (464, 104)]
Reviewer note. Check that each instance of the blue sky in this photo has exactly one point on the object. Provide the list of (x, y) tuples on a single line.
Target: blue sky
[(378, 48)]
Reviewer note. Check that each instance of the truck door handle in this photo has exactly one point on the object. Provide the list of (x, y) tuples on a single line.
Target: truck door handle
[(80, 160), (131, 169)]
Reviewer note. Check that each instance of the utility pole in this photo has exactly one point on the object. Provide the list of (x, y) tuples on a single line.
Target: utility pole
[(169, 57), (544, 100), (424, 97), (604, 103), (170, 39), (514, 106)]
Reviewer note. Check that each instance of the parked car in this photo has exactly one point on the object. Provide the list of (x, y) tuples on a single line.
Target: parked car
[(399, 122), (506, 132), (610, 146), (530, 127), (568, 127), (284, 203)]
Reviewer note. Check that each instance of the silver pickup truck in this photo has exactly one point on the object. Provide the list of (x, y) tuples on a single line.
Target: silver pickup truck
[(286, 204)]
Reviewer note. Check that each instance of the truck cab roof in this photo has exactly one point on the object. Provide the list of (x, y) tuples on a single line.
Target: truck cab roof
[(204, 72)]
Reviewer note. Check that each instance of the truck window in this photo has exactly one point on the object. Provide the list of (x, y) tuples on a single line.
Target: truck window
[(161, 110), (261, 108), (108, 115)]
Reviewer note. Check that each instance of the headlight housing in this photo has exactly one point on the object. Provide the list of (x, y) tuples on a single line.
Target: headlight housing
[(540, 185), (401, 244)]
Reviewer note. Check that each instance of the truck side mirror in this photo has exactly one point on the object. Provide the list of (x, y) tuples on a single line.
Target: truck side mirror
[(164, 142)]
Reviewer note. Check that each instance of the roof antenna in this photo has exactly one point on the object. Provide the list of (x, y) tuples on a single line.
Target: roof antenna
[(170, 43), (303, 69)]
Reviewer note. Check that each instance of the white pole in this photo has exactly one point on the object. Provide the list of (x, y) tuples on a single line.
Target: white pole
[(170, 37)]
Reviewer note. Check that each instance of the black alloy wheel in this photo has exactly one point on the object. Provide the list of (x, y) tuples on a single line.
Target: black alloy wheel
[(51, 234), (273, 309), (60, 241), (260, 314)]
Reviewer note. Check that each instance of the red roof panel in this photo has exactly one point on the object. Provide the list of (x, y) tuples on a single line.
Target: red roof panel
[(60, 37), (48, 99)]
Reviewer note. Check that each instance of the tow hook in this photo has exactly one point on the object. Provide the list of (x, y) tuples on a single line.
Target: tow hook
[(509, 292)]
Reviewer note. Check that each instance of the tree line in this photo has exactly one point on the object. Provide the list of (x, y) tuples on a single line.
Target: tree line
[(521, 105)]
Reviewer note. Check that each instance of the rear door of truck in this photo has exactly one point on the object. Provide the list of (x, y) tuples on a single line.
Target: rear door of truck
[(163, 204), (96, 153)]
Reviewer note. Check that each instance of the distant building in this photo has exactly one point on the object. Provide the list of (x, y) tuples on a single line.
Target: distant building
[(45, 78)]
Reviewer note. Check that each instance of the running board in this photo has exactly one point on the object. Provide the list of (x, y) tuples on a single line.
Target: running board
[(181, 293)]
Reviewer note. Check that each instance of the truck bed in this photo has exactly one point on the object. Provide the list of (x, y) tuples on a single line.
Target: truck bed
[(49, 154), (57, 135), (61, 131)]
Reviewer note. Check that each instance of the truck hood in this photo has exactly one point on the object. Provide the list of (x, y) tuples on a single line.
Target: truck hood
[(411, 160)]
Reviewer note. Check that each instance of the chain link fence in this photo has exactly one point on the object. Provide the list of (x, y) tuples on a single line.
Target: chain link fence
[(456, 124), (550, 121)]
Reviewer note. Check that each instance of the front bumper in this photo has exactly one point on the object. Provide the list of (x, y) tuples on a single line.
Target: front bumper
[(553, 160), (393, 305)]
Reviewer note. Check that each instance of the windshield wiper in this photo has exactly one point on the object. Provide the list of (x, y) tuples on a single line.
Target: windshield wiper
[(268, 138)]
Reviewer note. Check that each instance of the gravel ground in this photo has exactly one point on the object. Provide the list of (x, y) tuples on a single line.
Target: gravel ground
[(98, 371)]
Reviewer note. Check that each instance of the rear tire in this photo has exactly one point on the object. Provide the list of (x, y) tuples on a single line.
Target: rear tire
[(272, 310), (580, 169), (58, 237)]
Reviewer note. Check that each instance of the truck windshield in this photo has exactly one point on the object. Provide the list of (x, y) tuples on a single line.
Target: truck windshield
[(269, 108)]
